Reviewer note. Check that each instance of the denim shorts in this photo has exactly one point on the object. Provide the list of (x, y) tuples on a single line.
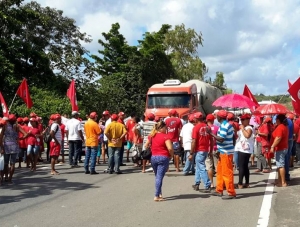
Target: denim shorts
[(280, 158), (176, 148), (10, 158), (33, 149)]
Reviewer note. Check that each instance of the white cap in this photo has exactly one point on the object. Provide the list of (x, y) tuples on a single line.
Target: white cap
[(216, 111), (75, 113)]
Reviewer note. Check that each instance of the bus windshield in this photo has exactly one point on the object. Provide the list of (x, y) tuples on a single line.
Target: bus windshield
[(168, 101)]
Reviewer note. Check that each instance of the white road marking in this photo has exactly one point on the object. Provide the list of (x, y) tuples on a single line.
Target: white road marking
[(264, 215)]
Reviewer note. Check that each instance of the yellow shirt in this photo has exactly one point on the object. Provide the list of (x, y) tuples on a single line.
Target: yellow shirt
[(115, 130), (92, 131)]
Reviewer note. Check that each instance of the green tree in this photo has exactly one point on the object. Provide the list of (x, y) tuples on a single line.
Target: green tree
[(219, 81), (182, 45)]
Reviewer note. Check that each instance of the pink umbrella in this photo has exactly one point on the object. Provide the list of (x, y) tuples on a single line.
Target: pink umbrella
[(234, 101), (273, 108)]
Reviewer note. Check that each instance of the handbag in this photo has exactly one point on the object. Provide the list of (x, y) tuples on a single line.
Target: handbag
[(147, 153), (136, 154), (1, 162)]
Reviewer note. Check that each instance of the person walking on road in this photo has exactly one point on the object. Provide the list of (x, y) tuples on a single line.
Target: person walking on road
[(202, 145), (225, 144), (162, 151), (92, 131), (75, 138), (244, 146), (55, 143), (115, 132)]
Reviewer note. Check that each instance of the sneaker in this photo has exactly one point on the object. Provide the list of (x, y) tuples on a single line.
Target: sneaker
[(195, 187), (72, 166), (87, 172), (110, 171), (118, 172), (122, 164), (227, 197), (206, 190), (94, 173), (215, 193)]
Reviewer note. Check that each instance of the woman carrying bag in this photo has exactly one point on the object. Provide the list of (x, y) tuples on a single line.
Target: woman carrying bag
[(162, 151), (244, 146)]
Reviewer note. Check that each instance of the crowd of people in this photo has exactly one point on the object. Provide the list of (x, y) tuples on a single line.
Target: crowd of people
[(217, 144)]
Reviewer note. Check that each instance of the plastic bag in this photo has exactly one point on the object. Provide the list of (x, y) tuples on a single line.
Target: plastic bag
[(1, 162)]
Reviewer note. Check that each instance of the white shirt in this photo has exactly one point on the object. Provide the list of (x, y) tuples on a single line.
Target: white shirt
[(57, 132), (106, 124), (249, 143), (73, 127), (186, 134)]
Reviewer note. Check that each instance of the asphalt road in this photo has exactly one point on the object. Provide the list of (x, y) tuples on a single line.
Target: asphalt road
[(75, 199)]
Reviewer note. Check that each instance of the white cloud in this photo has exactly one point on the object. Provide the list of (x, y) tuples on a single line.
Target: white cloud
[(253, 42)]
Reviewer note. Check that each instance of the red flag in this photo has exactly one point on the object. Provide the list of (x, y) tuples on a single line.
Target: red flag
[(71, 93), (294, 103), (23, 92), (4, 106), (249, 94)]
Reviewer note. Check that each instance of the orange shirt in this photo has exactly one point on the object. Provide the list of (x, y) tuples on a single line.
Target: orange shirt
[(282, 132), (92, 131)]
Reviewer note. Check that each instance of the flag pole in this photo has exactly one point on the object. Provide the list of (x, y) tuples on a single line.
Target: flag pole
[(12, 102)]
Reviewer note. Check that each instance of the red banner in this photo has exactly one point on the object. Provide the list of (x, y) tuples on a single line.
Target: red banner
[(71, 93), (294, 103), (23, 92), (4, 106)]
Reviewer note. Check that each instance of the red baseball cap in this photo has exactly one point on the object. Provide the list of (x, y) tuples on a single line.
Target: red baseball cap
[(2, 122), (172, 112), (121, 114), (290, 116), (25, 119), (245, 116), (268, 119), (230, 116), (210, 117), (156, 119), (151, 116), (93, 115), (33, 119), (19, 120), (32, 114), (114, 117), (222, 114), (55, 116), (191, 117), (12, 117), (198, 115), (106, 112)]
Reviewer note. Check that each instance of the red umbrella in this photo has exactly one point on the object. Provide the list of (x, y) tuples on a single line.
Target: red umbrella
[(270, 109), (234, 101)]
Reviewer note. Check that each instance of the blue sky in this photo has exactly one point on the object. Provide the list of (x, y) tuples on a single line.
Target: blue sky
[(253, 42)]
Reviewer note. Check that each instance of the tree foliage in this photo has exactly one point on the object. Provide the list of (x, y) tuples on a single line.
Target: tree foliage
[(182, 45)]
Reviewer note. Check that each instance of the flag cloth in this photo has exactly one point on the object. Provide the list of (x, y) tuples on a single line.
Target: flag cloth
[(295, 104), (23, 92), (4, 106), (249, 94), (71, 93)]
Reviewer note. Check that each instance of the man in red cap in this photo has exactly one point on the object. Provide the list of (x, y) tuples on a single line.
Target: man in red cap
[(121, 116), (174, 125), (115, 132), (55, 144), (202, 144), (130, 135), (92, 132), (225, 145), (186, 143)]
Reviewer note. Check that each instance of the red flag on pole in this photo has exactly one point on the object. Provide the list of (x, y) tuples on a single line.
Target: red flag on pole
[(71, 93), (4, 106), (23, 92), (249, 94), (294, 103)]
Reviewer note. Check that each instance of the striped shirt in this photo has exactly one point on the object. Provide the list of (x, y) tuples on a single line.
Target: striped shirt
[(226, 131), (147, 128)]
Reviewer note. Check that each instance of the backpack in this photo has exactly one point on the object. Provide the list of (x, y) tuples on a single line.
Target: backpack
[(47, 137)]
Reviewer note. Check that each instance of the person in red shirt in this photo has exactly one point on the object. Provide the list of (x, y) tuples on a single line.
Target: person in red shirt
[(174, 125), (162, 151), (41, 128), (279, 145), (297, 135), (130, 135), (62, 150), (202, 145), (22, 142), (33, 141), (26, 129)]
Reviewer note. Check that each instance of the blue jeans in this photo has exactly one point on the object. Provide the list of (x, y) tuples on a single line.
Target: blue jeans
[(114, 158), (201, 172), (33, 149), (189, 165), (287, 160), (121, 154), (74, 151), (160, 165), (90, 153)]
